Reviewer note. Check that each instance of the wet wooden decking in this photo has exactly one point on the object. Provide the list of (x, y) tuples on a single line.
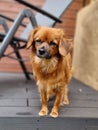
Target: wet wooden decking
[(20, 104)]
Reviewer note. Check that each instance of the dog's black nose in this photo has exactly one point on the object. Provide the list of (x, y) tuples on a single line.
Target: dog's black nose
[(42, 51)]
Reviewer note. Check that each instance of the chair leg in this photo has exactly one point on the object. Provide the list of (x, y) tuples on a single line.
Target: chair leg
[(22, 64)]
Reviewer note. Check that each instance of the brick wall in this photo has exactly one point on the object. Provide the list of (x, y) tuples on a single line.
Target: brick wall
[(10, 8)]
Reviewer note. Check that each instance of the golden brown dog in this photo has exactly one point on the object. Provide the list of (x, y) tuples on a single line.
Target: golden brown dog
[(51, 65)]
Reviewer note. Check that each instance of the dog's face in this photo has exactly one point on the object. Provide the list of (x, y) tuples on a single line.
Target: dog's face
[(48, 42)]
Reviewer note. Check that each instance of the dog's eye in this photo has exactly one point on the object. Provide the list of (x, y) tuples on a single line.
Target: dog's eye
[(53, 44), (38, 41)]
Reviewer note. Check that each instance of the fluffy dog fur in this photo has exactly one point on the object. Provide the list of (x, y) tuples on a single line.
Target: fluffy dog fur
[(51, 65)]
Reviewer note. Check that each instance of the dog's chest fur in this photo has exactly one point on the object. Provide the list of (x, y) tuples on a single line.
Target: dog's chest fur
[(47, 66), (48, 71)]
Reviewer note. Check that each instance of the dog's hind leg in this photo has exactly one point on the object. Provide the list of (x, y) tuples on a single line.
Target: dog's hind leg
[(65, 98)]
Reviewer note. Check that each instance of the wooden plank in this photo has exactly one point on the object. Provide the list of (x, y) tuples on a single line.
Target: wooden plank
[(13, 102), (92, 122), (61, 124), (11, 92), (13, 86), (17, 124), (79, 112), (80, 88), (18, 111), (92, 128), (41, 124), (73, 103), (36, 123), (83, 104), (76, 96), (64, 112)]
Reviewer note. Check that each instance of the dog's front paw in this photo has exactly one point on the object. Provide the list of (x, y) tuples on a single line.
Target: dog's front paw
[(43, 112), (66, 101), (54, 114)]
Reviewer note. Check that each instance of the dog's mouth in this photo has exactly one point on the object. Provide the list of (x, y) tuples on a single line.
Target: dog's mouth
[(43, 53)]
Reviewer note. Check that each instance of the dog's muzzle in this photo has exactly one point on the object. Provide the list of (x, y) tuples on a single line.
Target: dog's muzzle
[(43, 53)]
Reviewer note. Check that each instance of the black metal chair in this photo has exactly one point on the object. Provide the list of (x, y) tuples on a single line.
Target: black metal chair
[(47, 16), (15, 44)]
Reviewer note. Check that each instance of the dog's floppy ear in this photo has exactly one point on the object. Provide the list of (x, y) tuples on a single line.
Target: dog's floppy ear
[(65, 46), (31, 37)]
